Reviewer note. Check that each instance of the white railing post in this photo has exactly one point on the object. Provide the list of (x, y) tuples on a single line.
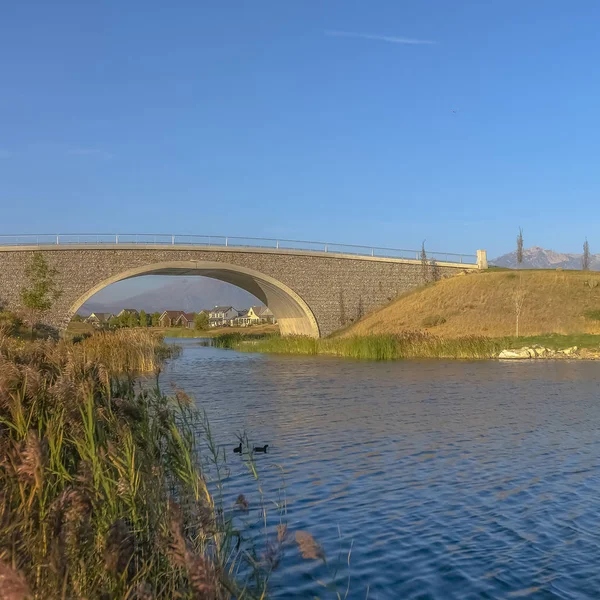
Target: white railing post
[(372, 251), (325, 247), (57, 240), (172, 240), (117, 238), (226, 241), (277, 244)]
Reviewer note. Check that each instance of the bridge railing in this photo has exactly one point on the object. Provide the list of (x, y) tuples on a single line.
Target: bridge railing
[(144, 239)]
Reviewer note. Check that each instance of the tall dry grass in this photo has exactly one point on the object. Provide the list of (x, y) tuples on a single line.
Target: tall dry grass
[(121, 351), (104, 492)]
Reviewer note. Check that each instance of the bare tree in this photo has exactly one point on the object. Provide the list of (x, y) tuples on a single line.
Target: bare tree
[(519, 299), (436, 272), (342, 307), (585, 260), (360, 309), (424, 264), (520, 247)]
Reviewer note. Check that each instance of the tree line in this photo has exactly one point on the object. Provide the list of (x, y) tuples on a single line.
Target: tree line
[(144, 319)]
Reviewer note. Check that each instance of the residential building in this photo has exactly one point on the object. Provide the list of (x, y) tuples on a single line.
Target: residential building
[(186, 320), (99, 319), (221, 315), (240, 319), (129, 311), (169, 318), (260, 314)]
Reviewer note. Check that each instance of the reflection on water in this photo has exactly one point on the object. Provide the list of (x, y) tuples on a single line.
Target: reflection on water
[(450, 479)]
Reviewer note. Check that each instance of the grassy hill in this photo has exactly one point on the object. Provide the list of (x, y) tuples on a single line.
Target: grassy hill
[(483, 303)]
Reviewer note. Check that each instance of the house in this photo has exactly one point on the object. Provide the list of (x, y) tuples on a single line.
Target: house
[(99, 319), (240, 320), (169, 318), (185, 320), (129, 311), (260, 314), (221, 315)]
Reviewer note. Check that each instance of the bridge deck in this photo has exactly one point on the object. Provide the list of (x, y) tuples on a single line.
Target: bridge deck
[(124, 241)]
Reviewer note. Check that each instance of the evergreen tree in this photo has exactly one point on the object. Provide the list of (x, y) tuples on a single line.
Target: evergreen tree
[(585, 261), (143, 319), (424, 264), (520, 247), (155, 319)]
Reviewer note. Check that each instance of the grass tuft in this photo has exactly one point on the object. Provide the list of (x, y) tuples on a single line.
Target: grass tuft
[(592, 315), (433, 321)]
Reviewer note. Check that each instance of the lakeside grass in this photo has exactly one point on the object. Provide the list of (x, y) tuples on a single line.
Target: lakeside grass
[(121, 351), (376, 347), (556, 341), (111, 492), (102, 493), (410, 345)]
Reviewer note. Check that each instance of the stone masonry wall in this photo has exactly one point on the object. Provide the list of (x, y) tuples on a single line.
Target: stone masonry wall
[(335, 288)]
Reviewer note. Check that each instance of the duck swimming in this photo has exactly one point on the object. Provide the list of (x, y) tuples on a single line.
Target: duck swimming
[(238, 449), (261, 448)]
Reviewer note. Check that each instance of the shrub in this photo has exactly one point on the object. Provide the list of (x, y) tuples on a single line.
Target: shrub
[(9, 323), (433, 321)]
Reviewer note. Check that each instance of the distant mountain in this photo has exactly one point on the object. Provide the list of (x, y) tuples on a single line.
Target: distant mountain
[(540, 258), (182, 294)]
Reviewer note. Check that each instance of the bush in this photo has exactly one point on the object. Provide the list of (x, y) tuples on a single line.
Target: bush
[(433, 321), (9, 323)]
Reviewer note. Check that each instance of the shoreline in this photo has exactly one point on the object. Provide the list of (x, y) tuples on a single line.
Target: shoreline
[(409, 346)]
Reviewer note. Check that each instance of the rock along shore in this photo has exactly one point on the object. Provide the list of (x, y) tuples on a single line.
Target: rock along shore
[(533, 352)]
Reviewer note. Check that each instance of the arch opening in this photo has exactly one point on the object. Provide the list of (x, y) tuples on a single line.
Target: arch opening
[(292, 313)]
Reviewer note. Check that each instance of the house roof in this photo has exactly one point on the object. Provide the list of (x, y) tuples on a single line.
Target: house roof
[(101, 316), (242, 313), (262, 311), (172, 314), (221, 308), (189, 316), (131, 311)]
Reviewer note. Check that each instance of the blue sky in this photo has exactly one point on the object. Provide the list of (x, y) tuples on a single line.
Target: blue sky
[(325, 120)]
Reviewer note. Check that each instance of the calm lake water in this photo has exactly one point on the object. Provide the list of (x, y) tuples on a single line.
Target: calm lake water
[(447, 479)]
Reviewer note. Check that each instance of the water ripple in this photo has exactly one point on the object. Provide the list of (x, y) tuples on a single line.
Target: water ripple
[(449, 480)]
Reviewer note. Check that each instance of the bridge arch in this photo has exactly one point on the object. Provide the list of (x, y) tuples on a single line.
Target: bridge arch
[(293, 314)]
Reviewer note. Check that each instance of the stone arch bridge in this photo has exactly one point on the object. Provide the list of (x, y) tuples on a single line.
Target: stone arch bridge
[(313, 289)]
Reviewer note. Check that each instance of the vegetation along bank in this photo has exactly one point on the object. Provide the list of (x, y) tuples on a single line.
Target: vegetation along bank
[(102, 490)]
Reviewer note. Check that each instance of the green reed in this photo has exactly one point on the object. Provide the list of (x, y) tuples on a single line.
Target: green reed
[(375, 347)]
